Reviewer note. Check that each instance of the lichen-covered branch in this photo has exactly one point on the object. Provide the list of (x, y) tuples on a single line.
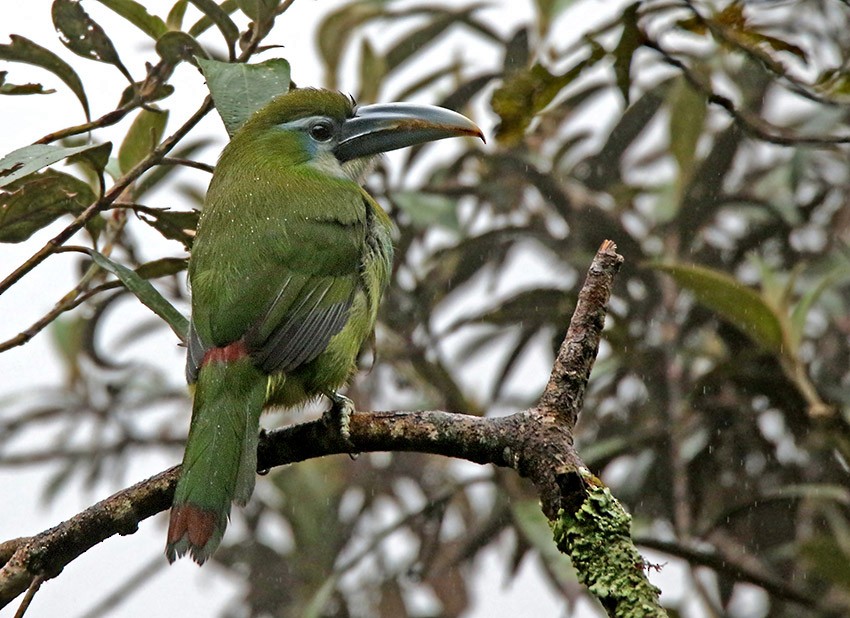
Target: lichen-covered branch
[(537, 443)]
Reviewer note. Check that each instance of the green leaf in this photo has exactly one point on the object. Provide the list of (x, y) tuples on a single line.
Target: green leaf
[(145, 292), (162, 267), (34, 202), (16, 89), (23, 50), (137, 15), (804, 305), (372, 72), (428, 209), (95, 158), (174, 20), (238, 90), (525, 93), (630, 40), (144, 135), (218, 15), (733, 301), (258, 10), (175, 47), (29, 159), (176, 225), (336, 31), (688, 109), (84, 36)]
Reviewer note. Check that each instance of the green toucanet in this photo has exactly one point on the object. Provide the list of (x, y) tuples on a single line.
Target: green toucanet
[(287, 269)]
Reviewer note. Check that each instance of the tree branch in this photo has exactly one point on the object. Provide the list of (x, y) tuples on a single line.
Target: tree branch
[(537, 443)]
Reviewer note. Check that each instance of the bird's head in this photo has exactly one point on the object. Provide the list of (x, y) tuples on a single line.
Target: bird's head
[(339, 137)]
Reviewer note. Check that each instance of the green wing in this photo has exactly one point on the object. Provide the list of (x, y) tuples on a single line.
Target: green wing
[(281, 278)]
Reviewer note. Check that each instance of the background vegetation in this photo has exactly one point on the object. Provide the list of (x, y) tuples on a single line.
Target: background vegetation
[(708, 139)]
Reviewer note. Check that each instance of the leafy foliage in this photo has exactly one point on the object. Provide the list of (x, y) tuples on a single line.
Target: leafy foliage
[(708, 139)]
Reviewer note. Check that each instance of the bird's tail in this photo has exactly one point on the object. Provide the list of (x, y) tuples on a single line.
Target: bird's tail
[(220, 462)]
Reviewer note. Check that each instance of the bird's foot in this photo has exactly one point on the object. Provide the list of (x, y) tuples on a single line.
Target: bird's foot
[(339, 416)]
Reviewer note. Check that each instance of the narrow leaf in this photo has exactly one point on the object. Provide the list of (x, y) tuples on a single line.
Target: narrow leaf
[(145, 292), (174, 19), (219, 16), (630, 40), (34, 202), (733, 301), (238, 90), (17, 89), (138, 15), (144, 135), (23, 50), (84, 36), (175, 47), (176, 225), (29, 159)]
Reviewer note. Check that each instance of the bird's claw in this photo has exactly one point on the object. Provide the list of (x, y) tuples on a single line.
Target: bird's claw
[(339, 416)]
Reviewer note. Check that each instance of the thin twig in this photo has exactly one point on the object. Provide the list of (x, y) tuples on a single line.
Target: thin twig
[(25, 602), (206, 167), (751, 123)]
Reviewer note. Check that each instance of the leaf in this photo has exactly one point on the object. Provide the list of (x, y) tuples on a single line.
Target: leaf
[(258, 10), (23, 50), (29, 159), (219, 16), (84, 36), (176, 225), (143, 136), (804, 305), (95, 158), (630, 40), (336, 31), (238, 90), (174, 19), (34, 202), (175, 47), (428, 209), (525, 93), (688, 109), (17, 89), (372, 72), (137, 15), (145, 292), (734, 302)]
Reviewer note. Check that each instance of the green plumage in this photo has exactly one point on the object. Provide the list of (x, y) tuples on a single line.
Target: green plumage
[(287, 269)]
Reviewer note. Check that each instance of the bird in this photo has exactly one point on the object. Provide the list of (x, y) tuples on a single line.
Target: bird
[(287, 268)]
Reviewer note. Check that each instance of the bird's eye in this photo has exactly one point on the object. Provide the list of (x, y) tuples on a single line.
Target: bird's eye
[(322, 131)]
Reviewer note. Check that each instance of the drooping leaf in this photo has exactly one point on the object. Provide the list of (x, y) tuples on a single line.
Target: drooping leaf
[(95, 158), (17, 89), (688, 109), (143, 136), (176, 46), (372, 71), (138, 15), (238, 90), (29, 159), (220, 16), (23, 50), (176, 225), (145, 292), (732, 300), (84, 36), (630, 40), (258, 10), (336, 31), (34, 202), (525, 93)]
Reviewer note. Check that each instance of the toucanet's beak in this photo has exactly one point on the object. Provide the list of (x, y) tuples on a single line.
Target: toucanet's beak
[(380, 128)]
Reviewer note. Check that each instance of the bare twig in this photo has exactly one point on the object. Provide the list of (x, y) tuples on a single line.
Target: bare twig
[(25, 602)]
